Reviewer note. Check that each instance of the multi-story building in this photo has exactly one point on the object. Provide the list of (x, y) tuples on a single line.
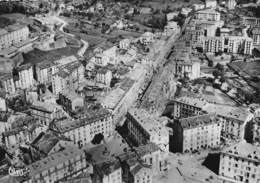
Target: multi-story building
[(104, 76), (190, 69), (140, 173), (124, 44), (23, 77), (211, 3), (46, 112), (13, 34), (146, 38), (208, 14), (107, 172), (230, 44), (252, 132), (251, 21), (104, 56), (82, 130), (70, 100), (7, 83), (196, 132), (143, 128), (240, 163), (47, 68), (231, 4), (185, 107), (59, 166), (234, 119), (68, 77), (256, 36), (171, 27), (213, 44)]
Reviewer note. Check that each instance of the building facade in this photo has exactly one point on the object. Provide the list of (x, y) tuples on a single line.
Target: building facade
[(230, 4), (82, 130), (13, 34), (195, 133), (208, 14), (240, 163), (142, 129), (59, 166)]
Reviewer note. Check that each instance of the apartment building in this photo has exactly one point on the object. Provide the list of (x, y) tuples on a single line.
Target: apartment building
[(104, 76), (252, 131), (251, 21), (211, 3), (83, 129), (23, 77), (7, 83), (70, 100), (45, 69), (230, 4), (68, 77), (143, 128), (107, 172), (141, 173), (186, 107), (256, 36), (146, 38), (230, 44), (190, 69), (195, 133), (208, 14), (103, 56), (13, 34), (240, 163), (124, 44), (46, 112), (59, 166), (213, 44), (234, 119)]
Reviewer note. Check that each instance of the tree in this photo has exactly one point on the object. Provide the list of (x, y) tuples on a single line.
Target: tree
[(217, 73)]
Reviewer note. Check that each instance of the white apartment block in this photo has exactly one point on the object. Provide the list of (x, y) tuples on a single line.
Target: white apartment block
[(187, 69), (230, 44), (143, 128), (46, 112), (230, 4), (13, 34), (195, 133), (7, 83), (82, 130), (58, 166), (208, 14), (211, 3), (25, 77), (68, 77), (46, 69), (240, 163), (256, 36)]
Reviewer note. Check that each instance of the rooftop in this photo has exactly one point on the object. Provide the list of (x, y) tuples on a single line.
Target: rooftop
[(38, 56), (87, 117), (197, 121), (46, 141), (238, 113), (148, 122), (244, 150), (196, 102), (55, 160)]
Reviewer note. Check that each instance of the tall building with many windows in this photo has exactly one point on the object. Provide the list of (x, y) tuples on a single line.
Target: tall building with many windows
[(13, 34), (195, 133), (240, 163), (231, 4), (143, 128)]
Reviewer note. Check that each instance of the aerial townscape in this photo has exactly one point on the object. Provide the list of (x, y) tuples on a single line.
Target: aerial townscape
[(130, 91)]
